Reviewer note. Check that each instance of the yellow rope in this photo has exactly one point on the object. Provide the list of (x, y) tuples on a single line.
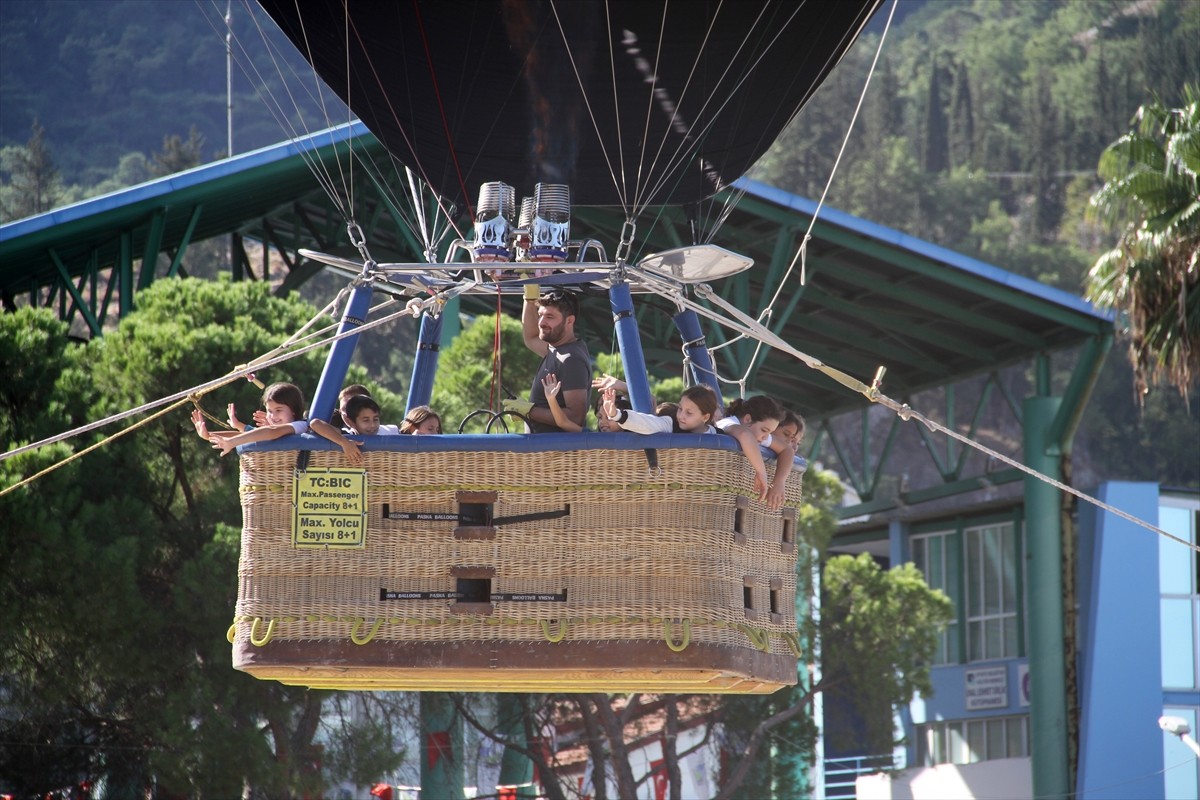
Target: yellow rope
[(668, 635), (260, 642), (354, 637), (760, 638), (96, 446), (557, 636)]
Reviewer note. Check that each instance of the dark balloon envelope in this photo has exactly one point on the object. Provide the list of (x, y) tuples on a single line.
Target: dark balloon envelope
[(630, 102)]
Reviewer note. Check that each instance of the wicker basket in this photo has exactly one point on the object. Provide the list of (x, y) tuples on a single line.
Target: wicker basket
[(589, 572)]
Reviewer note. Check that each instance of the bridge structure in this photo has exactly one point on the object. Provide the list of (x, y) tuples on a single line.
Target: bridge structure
[(966, 342)]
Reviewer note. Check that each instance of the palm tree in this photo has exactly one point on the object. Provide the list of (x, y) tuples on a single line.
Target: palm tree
[(1153, 274)]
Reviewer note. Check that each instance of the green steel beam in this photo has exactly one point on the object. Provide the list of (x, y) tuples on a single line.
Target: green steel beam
[(886, 453), (1007, 394), (903, 323), (961, 280), (108, 291), (847, 465), (925, 495), (931, 447), (69, 286), (859, 243), (951, 424), (185, 241), (125, 270), (1079, 390), (850, 333), (154, 235), (984, 396), (925, 300), (397, 216)]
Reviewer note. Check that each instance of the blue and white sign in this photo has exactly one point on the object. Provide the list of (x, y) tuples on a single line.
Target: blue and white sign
[(986, 688)]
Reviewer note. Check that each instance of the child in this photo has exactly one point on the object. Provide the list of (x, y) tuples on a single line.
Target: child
[(284, 404), (694, 414), (421, 421), (339, 417), (361, 415), (791, 429), (553, 386), (603, 423), (760, 417)]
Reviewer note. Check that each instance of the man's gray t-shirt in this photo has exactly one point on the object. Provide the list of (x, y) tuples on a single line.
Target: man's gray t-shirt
[(572, 365)]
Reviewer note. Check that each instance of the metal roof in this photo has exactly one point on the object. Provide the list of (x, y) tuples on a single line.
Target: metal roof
[(873, 297)]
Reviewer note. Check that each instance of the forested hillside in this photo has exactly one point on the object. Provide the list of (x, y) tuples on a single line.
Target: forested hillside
[(985, 120), (106, 78), (981, 130)]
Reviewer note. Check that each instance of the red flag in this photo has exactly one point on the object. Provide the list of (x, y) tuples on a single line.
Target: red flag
[(437, 745), (382, 791), (658, 769)]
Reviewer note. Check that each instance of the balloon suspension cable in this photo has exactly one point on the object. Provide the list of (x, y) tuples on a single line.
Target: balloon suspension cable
[(740, 321), (355, 232), (801, 252)]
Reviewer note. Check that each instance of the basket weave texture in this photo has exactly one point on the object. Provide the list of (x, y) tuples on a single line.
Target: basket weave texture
[(637, 556)]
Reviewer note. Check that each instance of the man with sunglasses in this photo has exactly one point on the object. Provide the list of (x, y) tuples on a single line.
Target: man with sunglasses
[(548, 321)]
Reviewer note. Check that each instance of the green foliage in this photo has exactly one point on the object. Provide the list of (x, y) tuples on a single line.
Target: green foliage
[(121, 573), (33, 345), (464, 380), (1152, 192), (981, 110), (1147, 437), (112, 77), (177, 155), (879, 631), (29, 180)]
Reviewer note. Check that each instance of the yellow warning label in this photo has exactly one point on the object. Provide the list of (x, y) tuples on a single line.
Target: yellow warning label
[(329, 508)]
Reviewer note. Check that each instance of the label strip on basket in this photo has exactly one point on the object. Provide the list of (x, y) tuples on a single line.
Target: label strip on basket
[(508, 597)]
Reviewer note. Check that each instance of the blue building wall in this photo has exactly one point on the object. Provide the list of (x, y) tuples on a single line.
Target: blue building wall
[(1120, 671)]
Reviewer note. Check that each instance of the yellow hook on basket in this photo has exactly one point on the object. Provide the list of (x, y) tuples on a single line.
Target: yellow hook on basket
[(354, 637), (554, 637), (669, 635), (254, 640), (231, 634), (759, 638), (793, 641)]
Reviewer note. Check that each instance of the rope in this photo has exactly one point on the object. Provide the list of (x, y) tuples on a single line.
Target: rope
[(87, 450), (208, 386), (751, 327), (553, 631), (837, 161)]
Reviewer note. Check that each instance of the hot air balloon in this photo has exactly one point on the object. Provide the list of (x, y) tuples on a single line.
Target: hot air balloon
[(519, 562)]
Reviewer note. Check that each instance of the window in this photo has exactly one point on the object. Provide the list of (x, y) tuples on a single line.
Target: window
[(991, 567), (1179, 585), (937, 558), (978, 569), (973, 740)]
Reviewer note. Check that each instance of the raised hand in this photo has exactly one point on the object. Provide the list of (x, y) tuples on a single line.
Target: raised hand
[(200, 424), (609, 382), (610, 402), (234, 422)]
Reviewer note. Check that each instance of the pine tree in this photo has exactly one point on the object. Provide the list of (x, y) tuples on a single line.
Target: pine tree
[(32, 184), (177, 155), (937, 142), (962, 113)]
